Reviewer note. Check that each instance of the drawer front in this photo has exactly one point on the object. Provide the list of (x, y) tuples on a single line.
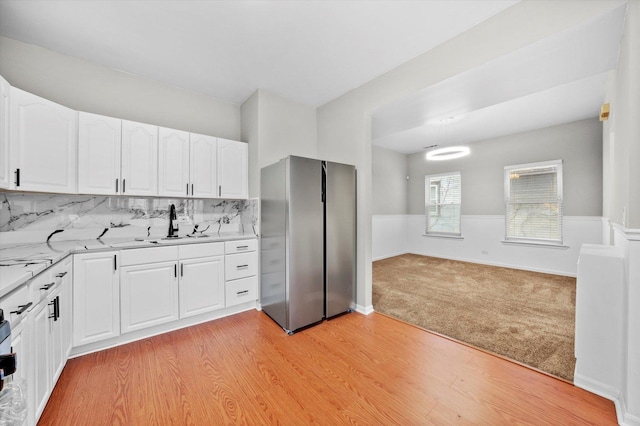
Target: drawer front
[(16, 305), (148, 255), (41, 286), (240, 246), (241, 291), (240, 265), (201, 250)]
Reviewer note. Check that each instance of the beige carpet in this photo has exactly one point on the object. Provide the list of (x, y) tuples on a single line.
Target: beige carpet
[(525, 316)]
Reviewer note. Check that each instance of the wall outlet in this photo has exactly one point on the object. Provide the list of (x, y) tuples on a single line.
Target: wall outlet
[(184, 219), (484, 252)]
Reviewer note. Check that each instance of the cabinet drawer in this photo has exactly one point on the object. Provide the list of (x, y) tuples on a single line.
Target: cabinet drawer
[(201, 250), (16, 305), (148, 255), (241, 291), (240, 265), (240, 246)]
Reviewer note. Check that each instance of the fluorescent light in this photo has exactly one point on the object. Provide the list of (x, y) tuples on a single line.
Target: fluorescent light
[(448, 153)]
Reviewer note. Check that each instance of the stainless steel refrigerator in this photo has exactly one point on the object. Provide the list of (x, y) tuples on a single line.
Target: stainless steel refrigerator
[(308, 241)]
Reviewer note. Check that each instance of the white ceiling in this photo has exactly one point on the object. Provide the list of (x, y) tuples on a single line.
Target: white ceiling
[(308, 51), (556, 80)]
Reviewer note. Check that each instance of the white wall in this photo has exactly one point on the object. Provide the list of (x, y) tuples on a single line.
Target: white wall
[(389, 182), (577, 144), (389, 235), (482, 243), (344, 125), (622, 201), (86, 86), (276, 127)]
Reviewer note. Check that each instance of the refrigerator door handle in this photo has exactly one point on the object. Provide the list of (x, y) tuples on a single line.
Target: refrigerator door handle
[(324, 181)]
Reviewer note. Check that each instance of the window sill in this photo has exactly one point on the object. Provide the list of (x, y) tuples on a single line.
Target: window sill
[(534, 244), (450, 237)]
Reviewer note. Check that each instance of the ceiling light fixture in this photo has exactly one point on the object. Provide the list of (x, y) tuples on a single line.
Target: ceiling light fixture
[(448, 153)]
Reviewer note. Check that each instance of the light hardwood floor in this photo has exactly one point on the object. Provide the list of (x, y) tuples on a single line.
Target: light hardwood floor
[(354, 369)]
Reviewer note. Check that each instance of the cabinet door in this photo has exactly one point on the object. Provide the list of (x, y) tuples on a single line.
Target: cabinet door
[(149, 295), (43, 144), (57, 355), (66, 311), (233, 171), (204, 179), (139, 158), (41, 351), (96, 297), (5, 174), (98, 154), (201, 285), (173, 167)]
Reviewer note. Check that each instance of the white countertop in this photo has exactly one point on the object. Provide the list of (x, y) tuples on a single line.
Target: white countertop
[(23, 261)]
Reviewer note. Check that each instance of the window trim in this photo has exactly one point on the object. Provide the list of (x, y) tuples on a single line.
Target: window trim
[(558, 164), (427, 203)]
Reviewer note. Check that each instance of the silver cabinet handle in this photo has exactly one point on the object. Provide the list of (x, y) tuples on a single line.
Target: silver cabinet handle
[(242, 247), (240, 293), (61, 274), (242, 266)]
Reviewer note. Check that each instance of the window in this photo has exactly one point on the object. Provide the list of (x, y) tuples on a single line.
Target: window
[(442, 203), (533, 198)]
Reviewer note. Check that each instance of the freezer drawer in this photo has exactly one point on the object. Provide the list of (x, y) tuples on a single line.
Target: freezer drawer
[(241, 291), (240, 265)]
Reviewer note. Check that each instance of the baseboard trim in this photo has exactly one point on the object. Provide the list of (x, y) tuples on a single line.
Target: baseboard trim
[(123, 339), (594, 386), (502, 265), (387, 256), (365, 310)]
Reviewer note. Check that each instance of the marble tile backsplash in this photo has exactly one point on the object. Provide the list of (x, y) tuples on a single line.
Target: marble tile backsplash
[(26, 217)]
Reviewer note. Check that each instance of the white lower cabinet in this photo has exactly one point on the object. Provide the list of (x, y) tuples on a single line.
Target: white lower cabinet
[(62, 275), (118, 292), (50, 330), (148, 295), (96, 297), (241, 269), (201, 279), (41, 350)]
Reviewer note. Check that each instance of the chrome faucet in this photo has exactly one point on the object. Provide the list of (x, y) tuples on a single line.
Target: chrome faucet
[(173, 222)]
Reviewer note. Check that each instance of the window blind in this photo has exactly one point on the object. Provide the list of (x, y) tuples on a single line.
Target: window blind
[(443, 195), (533, 198)]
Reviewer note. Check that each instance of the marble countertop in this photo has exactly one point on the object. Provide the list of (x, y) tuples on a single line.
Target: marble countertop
[(23, 261)]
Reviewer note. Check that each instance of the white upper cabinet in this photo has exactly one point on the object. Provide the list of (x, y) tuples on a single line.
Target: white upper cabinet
[(233, 174), (46, 147), (5, 174), (173, 167), (139, 159), (204, 154), (42, 144), (99, 154)]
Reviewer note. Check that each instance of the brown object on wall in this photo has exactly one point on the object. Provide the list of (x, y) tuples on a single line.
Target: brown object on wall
[(604, 112)]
